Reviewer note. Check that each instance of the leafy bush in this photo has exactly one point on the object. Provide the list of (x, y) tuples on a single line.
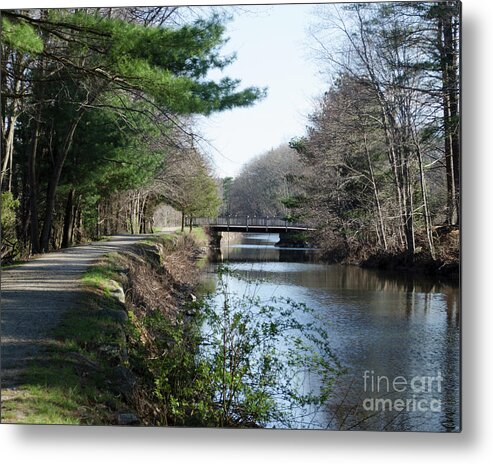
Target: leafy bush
[(9, 246), (164, 354), (238, 361), (270, 360)]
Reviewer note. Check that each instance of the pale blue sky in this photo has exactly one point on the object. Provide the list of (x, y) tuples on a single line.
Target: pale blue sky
[(271, 46)]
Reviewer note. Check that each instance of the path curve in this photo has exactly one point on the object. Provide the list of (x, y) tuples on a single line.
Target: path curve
[(35, 295)]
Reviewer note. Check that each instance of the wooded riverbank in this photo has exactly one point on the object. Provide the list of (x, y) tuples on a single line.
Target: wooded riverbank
[(445, 262)]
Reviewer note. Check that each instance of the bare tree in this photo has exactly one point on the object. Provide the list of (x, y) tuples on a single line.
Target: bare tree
[(264, 182)]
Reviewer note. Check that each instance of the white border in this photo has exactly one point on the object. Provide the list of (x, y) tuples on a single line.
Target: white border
[(40, 444)]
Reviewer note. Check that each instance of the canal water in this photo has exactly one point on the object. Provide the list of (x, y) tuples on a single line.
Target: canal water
[(397, 336)]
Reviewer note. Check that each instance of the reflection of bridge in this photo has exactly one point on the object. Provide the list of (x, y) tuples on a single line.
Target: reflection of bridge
[(251, 224)]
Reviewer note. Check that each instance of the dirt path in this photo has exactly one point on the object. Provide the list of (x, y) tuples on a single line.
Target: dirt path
[(35, 295)]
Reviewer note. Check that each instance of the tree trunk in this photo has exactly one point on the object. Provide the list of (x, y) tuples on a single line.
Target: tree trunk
[(98, 216), (68, 220), (450, 103), (8, 152), (424, 194), (33, 190), (182, 221), (9, 130), (142, 215), (25, 215), (380, 233), (388, 125), (408, 198), (50, 204), (78, 222), (75, 229), (53, 184)]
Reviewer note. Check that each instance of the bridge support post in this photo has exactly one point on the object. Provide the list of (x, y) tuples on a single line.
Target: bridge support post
[(214, 237)]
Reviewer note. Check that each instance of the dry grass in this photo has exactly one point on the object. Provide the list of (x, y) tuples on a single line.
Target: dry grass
[(161, 282)]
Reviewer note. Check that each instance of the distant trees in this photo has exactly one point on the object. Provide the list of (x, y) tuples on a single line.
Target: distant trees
[(382, 147), (186, 183), (264, 182), (225, 189), (346, 174), (93, 100)]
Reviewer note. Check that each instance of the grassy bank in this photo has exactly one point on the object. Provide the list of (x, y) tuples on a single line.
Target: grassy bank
[(85, 374), (68, 383)]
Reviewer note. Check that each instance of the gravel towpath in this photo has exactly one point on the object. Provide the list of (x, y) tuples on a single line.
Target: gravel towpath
[(35, 295)]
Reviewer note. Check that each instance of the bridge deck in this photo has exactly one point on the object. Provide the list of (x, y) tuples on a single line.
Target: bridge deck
[(251, 224), (259, 229)]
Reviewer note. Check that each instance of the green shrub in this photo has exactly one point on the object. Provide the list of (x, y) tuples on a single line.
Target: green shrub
[(237, 362), (9, 245)]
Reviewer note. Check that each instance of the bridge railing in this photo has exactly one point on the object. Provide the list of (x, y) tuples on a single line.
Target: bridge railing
[(247, 221)]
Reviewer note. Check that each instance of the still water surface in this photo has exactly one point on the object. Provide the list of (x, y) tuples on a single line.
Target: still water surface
[(397, 335)]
